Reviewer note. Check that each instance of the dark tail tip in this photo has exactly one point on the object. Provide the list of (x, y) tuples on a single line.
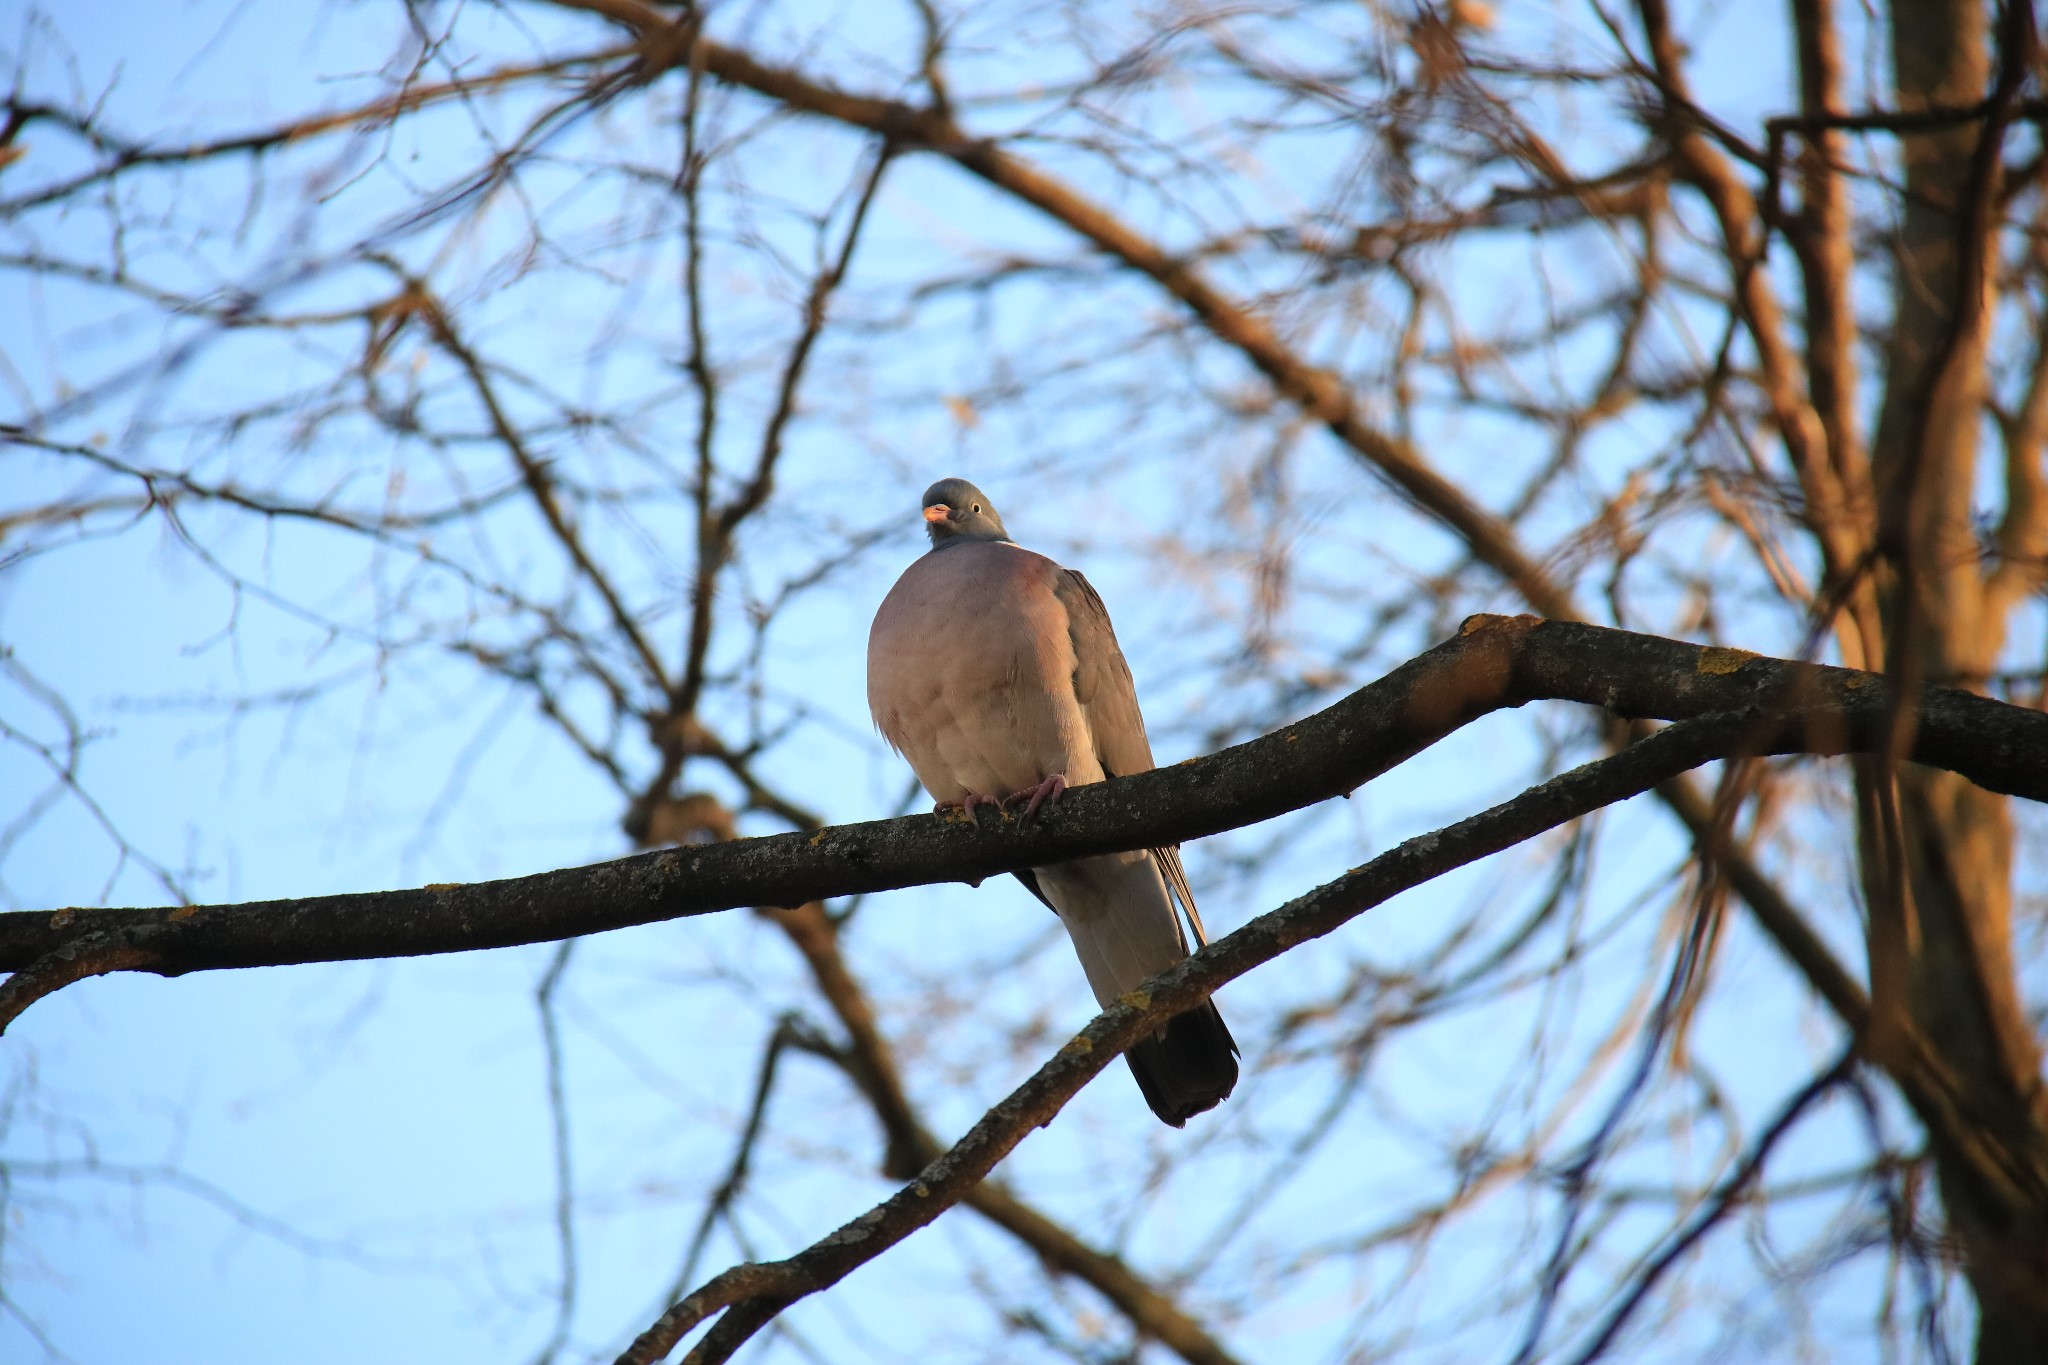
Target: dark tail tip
[(1186, 1067)]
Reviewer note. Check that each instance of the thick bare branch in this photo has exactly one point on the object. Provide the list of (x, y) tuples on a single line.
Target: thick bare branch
[(1494, 662)]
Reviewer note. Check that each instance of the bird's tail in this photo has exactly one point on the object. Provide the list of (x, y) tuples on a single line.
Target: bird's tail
[(1186, 1067), (1120, 915)]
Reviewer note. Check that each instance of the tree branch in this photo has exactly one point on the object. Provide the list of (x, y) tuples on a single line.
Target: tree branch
[(870, 1063), (1493, 663), (749, 1296), (1321, 393)]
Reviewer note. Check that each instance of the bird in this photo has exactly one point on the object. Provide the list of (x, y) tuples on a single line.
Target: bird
[(995, 672)]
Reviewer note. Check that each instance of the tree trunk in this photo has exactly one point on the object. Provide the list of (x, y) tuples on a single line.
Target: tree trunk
[(1937, 855)]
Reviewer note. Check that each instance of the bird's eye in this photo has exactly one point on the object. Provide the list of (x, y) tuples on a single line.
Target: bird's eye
[(975, 508)]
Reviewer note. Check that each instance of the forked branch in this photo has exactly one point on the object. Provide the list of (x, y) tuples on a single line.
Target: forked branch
[(747, 1297)]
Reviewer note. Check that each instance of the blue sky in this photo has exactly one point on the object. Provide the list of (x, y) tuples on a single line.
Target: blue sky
[(381, 1128)]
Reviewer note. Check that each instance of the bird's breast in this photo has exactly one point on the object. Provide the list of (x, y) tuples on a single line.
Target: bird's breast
[(970, 673)]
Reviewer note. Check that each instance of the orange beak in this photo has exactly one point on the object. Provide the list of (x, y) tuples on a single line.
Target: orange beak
[(938, 511)]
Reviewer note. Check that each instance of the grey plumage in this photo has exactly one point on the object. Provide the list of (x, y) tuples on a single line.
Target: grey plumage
[(992, 670)]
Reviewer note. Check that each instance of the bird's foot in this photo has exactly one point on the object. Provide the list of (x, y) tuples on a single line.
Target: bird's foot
[(1048, 790), (966, 805)]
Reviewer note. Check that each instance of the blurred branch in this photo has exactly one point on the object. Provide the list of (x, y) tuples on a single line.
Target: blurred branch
[(1914, 120), (537, 476), (788, 1030), (1825, 246), (64, 759), (1833, 478), (1735, 1188), (1320, 392), (120, 154), (2022, 534), (717, 525)]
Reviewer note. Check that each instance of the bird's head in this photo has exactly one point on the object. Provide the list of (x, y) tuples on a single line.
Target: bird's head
[(955, 511)]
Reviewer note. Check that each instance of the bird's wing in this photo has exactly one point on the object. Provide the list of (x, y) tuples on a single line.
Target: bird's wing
[(1102, 680), (1109, 699), (1177, 881)]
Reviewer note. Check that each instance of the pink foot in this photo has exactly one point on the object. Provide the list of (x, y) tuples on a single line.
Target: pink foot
[(1048, 790), (966, 804)]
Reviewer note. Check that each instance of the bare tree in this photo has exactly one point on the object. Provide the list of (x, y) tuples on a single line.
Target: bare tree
[(586, 355)]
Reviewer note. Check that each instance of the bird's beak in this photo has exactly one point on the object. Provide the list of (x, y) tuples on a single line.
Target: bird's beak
[(938, 511)]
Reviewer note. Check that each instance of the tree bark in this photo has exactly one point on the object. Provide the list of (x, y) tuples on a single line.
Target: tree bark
[(1936, 851)]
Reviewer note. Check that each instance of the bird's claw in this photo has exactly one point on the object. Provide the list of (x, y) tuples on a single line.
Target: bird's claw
[(1048, 790), (966, 805), (1033, 797)]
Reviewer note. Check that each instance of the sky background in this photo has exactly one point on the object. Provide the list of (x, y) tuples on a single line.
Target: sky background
[(354, 1162)]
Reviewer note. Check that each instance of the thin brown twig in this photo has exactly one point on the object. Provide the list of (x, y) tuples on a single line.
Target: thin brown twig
[(124, 155), (540, 483)]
